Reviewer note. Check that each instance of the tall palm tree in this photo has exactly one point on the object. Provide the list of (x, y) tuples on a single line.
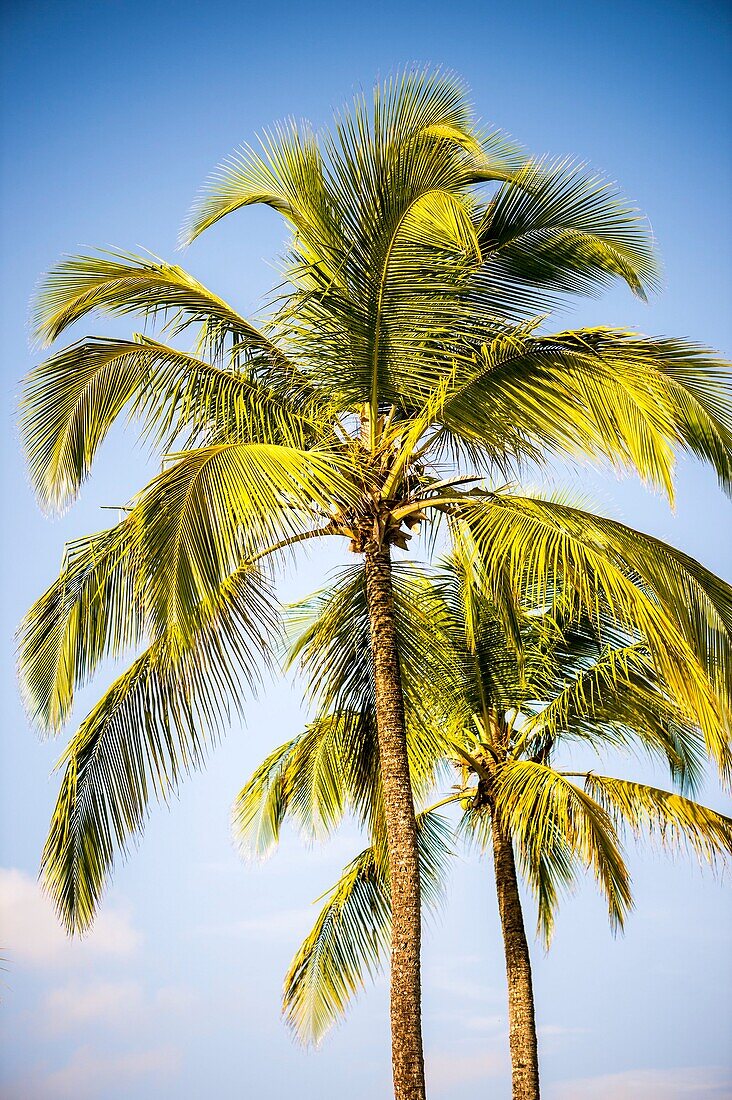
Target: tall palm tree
[(502, 722), (400, 362)]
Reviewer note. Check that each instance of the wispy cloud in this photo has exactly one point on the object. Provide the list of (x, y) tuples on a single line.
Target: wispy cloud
[(101, 1002), (448, 1071), (31, 932), (284, 924), (89, 1075), (110, 1004), (689, 1083)]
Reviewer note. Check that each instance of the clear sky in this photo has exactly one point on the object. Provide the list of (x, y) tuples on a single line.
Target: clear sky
[(113, 114)]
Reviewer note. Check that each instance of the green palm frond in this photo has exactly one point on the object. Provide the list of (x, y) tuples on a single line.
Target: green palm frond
[(121, 283), (71, 400), (601, 392), (94, 609), (150, 727), (681, 610), (314, 778), (331, 639), (677, 822), (214, 506), (350, 938), (557, 227), (549, 818), (286, 174), (615, 698), (261, 805)]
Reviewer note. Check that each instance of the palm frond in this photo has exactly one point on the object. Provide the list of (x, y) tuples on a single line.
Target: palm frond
[(616, 698), (682, 612), (351, 935), (121, 283), (599, 392), (558, 226), (551, 819), (214, 506), (71, 400), (149, 728), (261, 805), (94, 609), (286, 174), (677, 822)]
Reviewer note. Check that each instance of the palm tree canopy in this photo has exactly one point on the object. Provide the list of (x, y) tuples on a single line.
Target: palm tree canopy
[(502, 720), (405, 356)]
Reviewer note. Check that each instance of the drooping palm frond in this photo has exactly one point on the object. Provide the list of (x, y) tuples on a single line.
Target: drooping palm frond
[(261, 805), (617, 699), (186, 533), (681, 610), (121, 283), (556, 826), (313, 779), (214, 506), (71, 400), (94, 608), (558, 228), (151, 726), (675, 821), (286, 174), (350, 938), (629, 400)]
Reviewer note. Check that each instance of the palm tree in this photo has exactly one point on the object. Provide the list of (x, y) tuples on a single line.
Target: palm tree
[(401, 362), (502, 721)]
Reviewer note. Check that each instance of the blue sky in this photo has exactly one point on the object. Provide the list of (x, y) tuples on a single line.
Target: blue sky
[(113, 115)]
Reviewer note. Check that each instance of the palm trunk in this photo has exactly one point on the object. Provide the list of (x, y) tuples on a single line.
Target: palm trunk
[(401, 832), (521, 1020)]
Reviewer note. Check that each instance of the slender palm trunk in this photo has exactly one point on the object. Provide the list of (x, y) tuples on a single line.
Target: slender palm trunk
[(401, 831), (521, 1020)]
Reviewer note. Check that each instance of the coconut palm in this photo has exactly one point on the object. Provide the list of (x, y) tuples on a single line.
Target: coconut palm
[(400, 361), (505, 724)]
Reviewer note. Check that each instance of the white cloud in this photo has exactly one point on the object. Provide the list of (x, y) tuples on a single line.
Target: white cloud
[(101, 1002), (30, 931), (118, 1005), (89, 1075), (447, 1071), (284, 924), (691, 1083)]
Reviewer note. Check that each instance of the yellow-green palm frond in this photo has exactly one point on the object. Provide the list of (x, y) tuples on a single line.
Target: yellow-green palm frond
[(351, 936), (344, 948), (121, 283), (215, 506), (312, 779), (70, 402), (682, 612), (261, 805), (94, 608), (150, 727), (188, 531), (285, 173), (600, 392), (678, 823), (556, 827), (614, 697), (558, 228)]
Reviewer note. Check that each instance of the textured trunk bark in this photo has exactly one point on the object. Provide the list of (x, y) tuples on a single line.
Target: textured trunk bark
[(521, 1020), (401, 831)]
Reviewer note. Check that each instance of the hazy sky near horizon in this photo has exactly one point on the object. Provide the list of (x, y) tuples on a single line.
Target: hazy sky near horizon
[(113, 114)]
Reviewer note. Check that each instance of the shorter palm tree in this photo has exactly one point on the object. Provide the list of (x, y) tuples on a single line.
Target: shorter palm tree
[(504, 718)]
